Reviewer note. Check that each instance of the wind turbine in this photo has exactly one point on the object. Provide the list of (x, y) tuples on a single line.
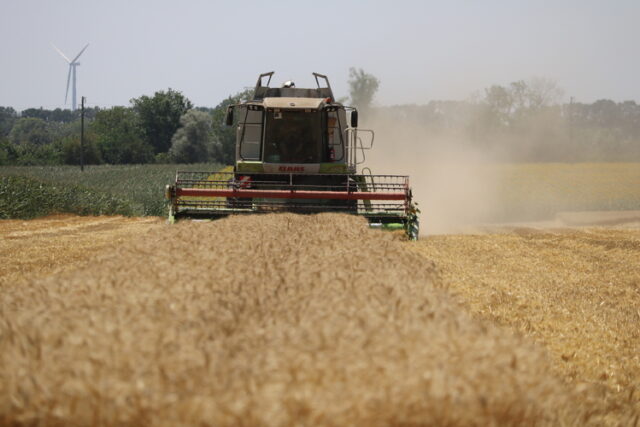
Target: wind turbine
[(72, 71)]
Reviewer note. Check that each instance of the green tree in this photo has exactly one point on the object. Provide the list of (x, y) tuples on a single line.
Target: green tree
[(30, 131), (119, 138), (71, 150), (8, 116), (224, 137), (59, 115), (520, 100), (33, 154), (542, 93), (190, 143), (499, 101), (8, 154), (159, 117), (362, 88)]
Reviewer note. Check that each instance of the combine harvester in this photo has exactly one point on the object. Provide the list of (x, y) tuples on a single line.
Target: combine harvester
[(297, 150)]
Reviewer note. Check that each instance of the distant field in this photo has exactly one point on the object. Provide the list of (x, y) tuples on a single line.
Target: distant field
[(540, 190), (120, 189), (516, 191)]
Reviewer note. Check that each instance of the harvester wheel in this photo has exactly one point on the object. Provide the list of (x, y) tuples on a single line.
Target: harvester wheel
[(172, 215), (413, 228)]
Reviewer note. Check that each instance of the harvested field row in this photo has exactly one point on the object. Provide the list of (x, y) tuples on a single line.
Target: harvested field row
[(270, 320), (577, 292), (38, 248)]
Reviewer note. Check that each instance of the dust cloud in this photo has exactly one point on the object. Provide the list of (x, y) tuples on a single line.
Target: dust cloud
[(452, 182), (463, 183)]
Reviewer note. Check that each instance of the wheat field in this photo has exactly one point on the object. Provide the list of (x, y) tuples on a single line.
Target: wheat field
[(37, 248), (264, 320), (575, 291)]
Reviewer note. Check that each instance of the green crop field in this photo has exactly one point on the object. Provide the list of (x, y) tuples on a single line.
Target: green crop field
[(30, 191)]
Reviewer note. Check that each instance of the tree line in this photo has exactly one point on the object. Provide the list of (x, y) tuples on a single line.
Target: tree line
[(524, 119), (161, 128)]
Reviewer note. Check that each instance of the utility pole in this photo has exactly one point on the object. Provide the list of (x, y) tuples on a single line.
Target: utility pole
[(82, 136)]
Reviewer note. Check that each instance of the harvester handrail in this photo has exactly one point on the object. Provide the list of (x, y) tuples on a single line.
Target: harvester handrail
[(265, 186), (209, 173), (290, 194), (373, 137)]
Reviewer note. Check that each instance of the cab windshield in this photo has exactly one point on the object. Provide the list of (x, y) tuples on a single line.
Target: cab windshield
[(293, 137)]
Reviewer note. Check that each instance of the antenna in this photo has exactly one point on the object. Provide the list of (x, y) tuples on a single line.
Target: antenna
[(72, 73)]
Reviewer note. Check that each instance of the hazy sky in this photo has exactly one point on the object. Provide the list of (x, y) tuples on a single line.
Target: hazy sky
[(420, 50)]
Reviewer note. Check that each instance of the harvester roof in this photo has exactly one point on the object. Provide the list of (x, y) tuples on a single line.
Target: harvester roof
[(263, 91), (290, 103)]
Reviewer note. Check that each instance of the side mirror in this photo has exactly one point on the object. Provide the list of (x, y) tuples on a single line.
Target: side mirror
[(228, 120), (354, 119)]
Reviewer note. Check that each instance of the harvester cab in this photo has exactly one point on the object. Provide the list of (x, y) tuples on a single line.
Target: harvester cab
[(297, 150)]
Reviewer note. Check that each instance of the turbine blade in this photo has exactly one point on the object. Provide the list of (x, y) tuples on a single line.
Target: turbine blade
[(60, 52), (78, 55), (66, 94)]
